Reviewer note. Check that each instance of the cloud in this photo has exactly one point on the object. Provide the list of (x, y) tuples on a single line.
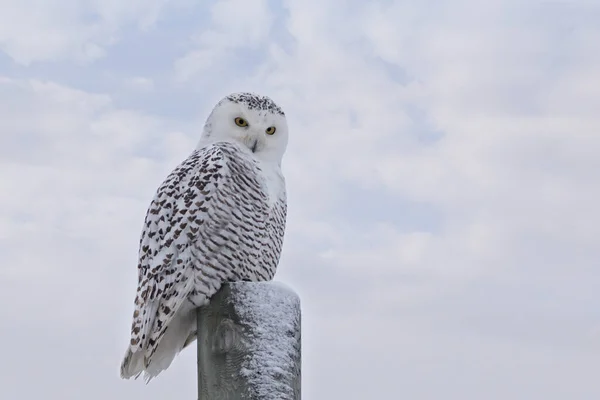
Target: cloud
[(140, 83), (34, 31), (235, 25), (442, 176)]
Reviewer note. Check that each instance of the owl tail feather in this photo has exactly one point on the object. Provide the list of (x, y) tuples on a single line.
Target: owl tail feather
[(181, 332), (133, 364)]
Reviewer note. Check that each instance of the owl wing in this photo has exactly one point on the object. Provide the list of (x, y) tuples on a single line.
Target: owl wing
[(183, 207)]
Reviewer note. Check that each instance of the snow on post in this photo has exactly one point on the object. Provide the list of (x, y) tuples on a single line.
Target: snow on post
[(249, 345)]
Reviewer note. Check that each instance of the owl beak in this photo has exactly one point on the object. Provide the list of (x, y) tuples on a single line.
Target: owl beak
[(254, 145)]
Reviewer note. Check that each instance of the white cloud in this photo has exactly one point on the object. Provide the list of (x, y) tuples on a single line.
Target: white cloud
[(235, 25), (37, 30), (442, 176), (141, 83)]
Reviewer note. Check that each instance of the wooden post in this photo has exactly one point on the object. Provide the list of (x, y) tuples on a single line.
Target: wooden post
[(249, 343)]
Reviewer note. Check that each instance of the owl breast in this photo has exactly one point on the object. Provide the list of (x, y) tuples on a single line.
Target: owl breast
[(245, 245)]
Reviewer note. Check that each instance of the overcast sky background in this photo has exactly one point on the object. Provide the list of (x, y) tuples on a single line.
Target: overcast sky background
[(443, 173)]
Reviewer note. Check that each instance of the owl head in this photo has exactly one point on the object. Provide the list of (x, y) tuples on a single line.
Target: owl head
[(249, 119)]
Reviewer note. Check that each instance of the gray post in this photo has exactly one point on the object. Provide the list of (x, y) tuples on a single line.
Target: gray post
[(249, 343)]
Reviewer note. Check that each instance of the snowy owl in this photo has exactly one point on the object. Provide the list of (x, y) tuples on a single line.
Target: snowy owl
[(218, 217)]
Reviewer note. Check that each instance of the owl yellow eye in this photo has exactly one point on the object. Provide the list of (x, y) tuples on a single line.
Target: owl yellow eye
[(241, 122), (270, 130)]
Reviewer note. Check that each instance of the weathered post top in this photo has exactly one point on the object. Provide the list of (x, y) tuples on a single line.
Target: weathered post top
[(249, 343)]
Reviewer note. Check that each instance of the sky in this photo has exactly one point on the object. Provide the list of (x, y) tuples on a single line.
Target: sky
[(442, 172)]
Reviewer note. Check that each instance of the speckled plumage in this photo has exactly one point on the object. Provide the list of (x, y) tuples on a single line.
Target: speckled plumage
[(218, 217), (254, 102)]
